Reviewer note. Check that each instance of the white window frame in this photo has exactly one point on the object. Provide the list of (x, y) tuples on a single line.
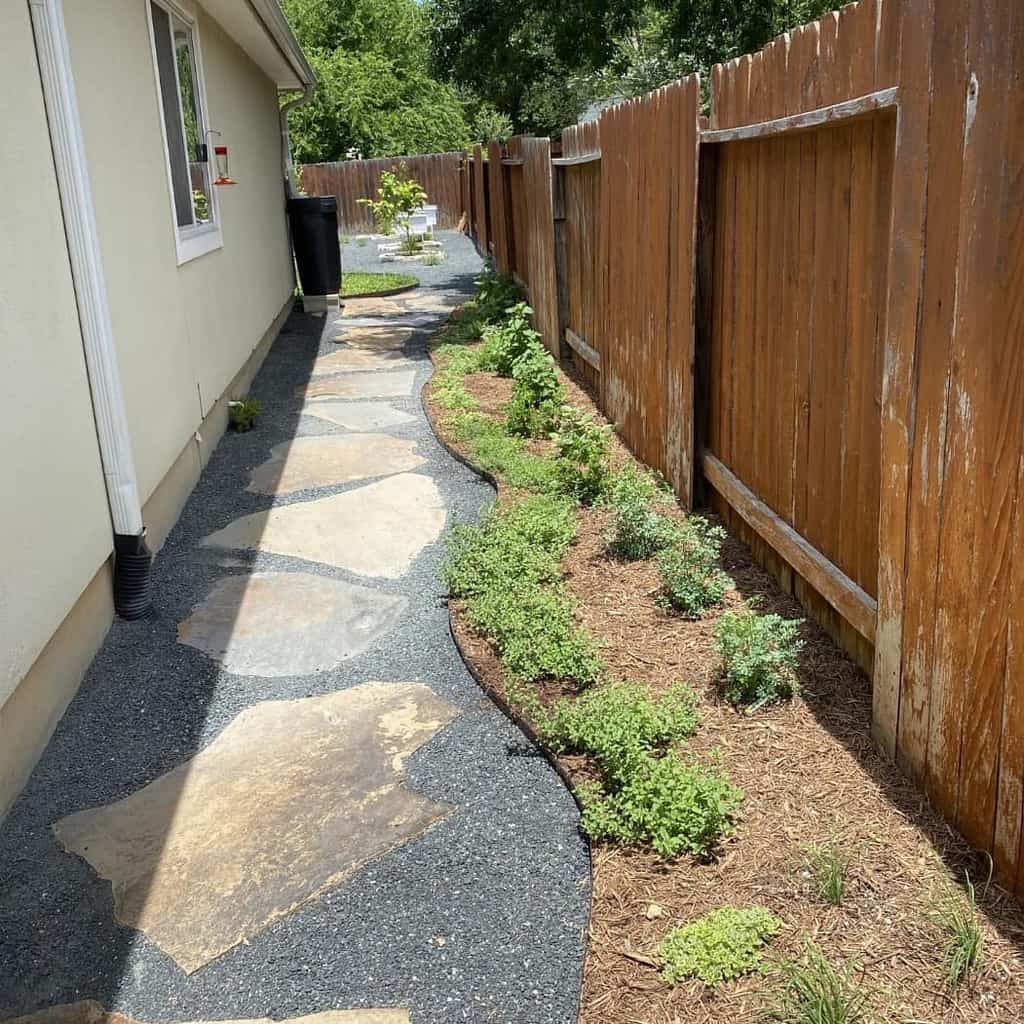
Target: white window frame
[(193, 240)]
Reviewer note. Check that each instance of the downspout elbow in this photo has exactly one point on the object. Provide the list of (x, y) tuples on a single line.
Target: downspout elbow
[(287, 164)]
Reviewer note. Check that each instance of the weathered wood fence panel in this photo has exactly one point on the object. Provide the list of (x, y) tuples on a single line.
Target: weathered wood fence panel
[(352, 180), (856, 292), (498, 198)]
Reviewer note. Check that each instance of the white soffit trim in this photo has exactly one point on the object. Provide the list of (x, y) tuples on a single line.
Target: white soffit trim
[(262, 31), (75, 190)]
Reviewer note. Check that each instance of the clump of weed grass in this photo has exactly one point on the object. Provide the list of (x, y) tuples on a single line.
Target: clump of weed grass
[(243, 413), (639, 530), (690, 578), (811, 991), (759, 654), (828, 866), (719, 946), (956, 914)]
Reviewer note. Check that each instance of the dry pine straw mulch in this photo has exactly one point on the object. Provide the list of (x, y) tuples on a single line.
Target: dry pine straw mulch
[(810, 773)]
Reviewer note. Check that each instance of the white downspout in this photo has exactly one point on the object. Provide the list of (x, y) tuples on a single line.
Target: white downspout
[(288, 165), (54, 60)]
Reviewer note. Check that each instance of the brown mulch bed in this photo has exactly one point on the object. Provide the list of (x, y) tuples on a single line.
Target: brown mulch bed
[(810, 773)]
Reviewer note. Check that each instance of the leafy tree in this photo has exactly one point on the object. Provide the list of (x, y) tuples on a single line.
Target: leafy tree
[(375, 95)]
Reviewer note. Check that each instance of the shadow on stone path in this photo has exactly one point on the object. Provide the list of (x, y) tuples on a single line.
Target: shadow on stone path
[(282, 794)]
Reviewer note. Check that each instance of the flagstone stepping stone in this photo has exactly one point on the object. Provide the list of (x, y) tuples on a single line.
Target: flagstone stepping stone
[(373, 384), (429, 303), (372, 306), (90, 1012), (309, 462), (274, 624), (291, 799), (376, 530), (352, 358), (357, 415), (381, 338)]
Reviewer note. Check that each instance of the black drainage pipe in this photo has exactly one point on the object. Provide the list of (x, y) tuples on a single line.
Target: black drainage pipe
[(132, 563)]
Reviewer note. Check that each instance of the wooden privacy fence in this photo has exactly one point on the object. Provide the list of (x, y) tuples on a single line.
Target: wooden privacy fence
[(812, 307), (352, 180)]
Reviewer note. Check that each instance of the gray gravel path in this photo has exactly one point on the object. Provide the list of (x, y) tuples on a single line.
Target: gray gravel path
[(479, 919)]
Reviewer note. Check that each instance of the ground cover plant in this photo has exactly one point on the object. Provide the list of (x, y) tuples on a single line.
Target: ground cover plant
[(691, 580), (719, 946), (639, 530), (807, 767), (759, 655), (361, 282), (243, 413)]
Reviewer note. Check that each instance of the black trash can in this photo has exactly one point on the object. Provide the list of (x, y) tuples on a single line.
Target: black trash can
[(314, 224)]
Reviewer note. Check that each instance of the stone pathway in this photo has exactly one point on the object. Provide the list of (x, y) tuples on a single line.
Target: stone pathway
[(282, 797)]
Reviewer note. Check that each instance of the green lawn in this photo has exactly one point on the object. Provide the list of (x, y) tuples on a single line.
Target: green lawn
[(364, 283)]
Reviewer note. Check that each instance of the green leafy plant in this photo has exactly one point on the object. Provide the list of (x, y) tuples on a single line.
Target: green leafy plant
[(719, 946), (411, 245), (639, 531), (497, 452), (507, 339), (674, 806), (496, 293), (584, 455), (242, 413), (690, 578), (537, 396), (617, 724), (811, 991), (956, 914), (432, 259), (398, 197), (828, 866), (759, 653)]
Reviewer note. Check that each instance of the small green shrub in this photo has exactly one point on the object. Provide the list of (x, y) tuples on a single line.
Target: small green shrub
[(495, 294), (719, 946), (759, 653), (398, 196), (828, 867), (639, 531), (690, 578), (956, 914), (242, 414), (584, 455), (535, 631), (537, 396), (811, 991), (674, 806), (618, 723), (515, 545), (507, 339)]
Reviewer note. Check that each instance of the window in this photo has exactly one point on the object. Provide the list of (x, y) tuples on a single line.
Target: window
[(179, 83)]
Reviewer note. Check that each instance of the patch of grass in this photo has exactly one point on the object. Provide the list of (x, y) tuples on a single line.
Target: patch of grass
[(243, 413), (759, 653), (956, 914), (361, 282), (719, 946), (811, 991), (639, 530), (690, 578), (673, 806), (828, 867), (584, 456), (618, 723)]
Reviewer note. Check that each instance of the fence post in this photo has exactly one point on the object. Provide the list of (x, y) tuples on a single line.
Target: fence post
[(561, 256)]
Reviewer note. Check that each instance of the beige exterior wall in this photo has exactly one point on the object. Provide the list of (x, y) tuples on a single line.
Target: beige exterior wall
[(183, 332), (185, 335), (54, 520)]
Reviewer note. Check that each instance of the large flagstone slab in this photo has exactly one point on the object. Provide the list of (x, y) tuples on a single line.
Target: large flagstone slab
[(304, 463), (352, 358), (430, 303), (378, 338), (357, 415), (289, 801), (376, 530), (373, 384), (272, 624), (370, 306), (91, 1012)]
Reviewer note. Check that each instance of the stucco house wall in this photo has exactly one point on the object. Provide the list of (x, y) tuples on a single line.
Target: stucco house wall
[(188, 337)]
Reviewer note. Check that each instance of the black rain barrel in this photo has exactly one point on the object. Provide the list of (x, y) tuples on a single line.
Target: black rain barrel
[(314, 224)]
